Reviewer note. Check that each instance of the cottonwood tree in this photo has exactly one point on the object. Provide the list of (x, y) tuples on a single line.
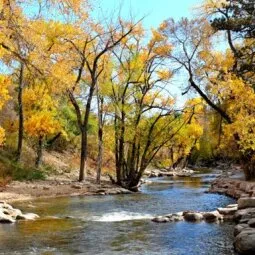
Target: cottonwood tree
[(143, 108), (212, 74), (78, 53)]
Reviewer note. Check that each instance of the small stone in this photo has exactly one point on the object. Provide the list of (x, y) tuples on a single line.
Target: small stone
[(46, 188)]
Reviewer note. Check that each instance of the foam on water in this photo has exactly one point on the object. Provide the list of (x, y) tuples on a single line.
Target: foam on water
[(121, 216)]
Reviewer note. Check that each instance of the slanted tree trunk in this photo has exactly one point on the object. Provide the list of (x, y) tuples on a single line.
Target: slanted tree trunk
[(39, 152), (20, 112)]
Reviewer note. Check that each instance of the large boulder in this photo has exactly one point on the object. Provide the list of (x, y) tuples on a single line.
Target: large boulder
[(245, 242), (244, 213), (246, 202)]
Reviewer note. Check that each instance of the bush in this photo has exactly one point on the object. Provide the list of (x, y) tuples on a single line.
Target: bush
[(11, 169)]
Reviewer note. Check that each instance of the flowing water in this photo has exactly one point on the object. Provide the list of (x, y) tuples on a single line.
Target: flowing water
[(121, 224)]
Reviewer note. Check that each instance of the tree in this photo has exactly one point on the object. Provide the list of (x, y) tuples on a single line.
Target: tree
[(236, 18), (41, 113), (212, 75), (144, 116), (87, 56)]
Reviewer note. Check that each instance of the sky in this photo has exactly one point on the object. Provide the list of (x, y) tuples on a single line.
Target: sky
[(155, 11)]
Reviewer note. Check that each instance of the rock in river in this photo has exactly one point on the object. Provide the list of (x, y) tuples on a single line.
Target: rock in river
[(245, 241), (193, 216)]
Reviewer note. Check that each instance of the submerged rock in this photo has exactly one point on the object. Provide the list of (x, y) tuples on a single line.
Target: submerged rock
[(27, 216)]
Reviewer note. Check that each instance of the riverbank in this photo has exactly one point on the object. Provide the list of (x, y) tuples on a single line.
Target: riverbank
[(28, 190), (233, 188), (244, 217)]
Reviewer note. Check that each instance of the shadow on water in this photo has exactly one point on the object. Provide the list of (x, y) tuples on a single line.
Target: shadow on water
[(121, 224)]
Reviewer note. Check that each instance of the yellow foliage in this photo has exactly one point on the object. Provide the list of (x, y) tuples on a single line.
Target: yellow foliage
[(2, 136), (4, 93), (4, 96), (40, 110), (42, 124)]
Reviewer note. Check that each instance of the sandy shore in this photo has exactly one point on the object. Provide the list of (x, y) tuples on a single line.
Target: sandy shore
[(28, 190)]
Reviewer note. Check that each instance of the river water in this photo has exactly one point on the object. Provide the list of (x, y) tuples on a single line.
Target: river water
[(121, 224)]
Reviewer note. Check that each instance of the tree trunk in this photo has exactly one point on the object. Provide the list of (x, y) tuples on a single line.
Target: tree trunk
[(84, 138), (100, 154), (100, 102), (39, 152), (83, 158), (20, 112)]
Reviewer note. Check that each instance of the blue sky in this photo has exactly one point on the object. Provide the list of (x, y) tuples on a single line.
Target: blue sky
[(155, 10)]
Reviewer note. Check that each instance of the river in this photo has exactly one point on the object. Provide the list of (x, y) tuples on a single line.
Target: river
[(121, 224)]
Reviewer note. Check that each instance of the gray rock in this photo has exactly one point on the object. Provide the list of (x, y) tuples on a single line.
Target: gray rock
[(212, 216), (175, 217), (161, 219), (227, 211), (245, 241), (243, 213), (193, 216), (248, 202), (251, 222), (239, 228)]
